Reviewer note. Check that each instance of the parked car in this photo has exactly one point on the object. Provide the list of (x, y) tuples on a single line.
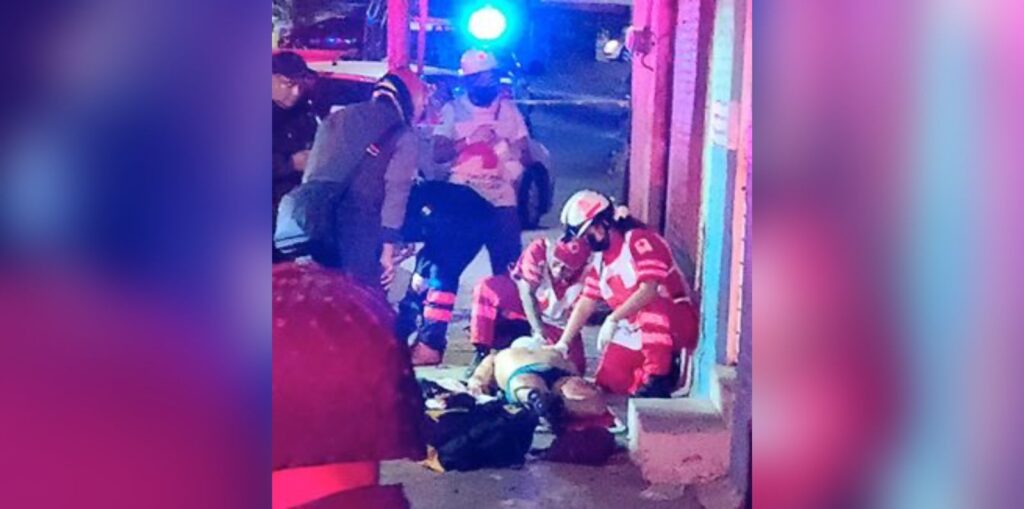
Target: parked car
[(345, 82), (343, 33)]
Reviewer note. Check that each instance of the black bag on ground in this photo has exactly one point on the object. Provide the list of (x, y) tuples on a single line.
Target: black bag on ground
[(492, 435)]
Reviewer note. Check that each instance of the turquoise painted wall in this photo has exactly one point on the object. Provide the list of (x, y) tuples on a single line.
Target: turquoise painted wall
[(717, 197)]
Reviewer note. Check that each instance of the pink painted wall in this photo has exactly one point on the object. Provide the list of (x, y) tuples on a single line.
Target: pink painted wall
[(398, 33), (744, 157), (689, 91), (740, 346), (652, 82)]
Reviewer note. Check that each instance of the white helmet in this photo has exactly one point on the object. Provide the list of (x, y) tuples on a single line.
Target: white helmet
[(476, 61), (581, 209)]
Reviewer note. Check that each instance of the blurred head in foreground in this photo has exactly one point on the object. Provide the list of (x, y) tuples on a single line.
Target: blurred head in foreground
[(826, 380), (344, 396)]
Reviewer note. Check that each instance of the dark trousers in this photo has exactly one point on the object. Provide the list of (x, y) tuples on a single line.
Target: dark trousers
[(440, 263), (460, 224), (505, 240)]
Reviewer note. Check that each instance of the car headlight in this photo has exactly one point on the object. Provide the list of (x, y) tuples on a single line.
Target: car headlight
[(612, 48)]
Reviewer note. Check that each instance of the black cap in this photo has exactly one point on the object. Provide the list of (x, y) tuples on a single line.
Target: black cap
[(291, 65)]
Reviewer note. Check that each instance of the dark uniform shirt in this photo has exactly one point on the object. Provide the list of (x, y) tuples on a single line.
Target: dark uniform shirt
[(293, 131)]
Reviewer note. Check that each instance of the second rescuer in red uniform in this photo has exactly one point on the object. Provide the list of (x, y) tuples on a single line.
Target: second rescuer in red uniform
[(535, 299), (653, 320)]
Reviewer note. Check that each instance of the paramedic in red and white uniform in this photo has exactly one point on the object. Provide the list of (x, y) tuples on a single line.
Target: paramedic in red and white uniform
[(653, 325), (534, 300)]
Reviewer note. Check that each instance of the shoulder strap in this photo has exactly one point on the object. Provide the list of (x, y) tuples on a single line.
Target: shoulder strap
[(383, 145)]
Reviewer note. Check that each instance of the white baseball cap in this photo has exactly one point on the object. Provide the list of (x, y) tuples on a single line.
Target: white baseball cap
[(476, 61)]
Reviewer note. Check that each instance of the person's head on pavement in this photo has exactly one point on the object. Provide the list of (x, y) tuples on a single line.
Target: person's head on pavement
[(479, 71), (405, 90), (291, 79)]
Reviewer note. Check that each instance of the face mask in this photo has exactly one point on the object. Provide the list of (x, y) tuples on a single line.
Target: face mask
[(482, 96), (599, 246)]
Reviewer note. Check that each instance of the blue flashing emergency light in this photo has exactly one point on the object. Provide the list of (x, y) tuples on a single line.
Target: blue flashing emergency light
[(490, 23), (487, 23)]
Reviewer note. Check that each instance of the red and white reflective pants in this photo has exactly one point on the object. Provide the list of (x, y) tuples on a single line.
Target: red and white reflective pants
[(646, 344)]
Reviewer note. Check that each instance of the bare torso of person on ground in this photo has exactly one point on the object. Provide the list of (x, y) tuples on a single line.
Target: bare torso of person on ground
[(540, 378)]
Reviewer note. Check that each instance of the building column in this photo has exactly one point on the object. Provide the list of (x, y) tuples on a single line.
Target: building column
[(653, 24), (398, 33), (686, 137)]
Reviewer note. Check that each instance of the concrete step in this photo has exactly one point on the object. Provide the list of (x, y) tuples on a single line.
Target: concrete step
[(678, 441), (725, 390)]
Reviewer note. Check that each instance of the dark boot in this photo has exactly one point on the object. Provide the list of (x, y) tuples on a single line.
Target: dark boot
[(657, 386), (410, 312), (661, 386)]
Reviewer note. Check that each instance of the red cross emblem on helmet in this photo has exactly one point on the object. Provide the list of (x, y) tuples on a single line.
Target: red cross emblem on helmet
[(581, 209)]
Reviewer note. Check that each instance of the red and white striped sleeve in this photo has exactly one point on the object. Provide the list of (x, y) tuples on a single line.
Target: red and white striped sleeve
[(532, 263), (651, 256)]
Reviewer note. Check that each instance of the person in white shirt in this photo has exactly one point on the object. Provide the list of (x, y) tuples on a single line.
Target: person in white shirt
[(484, 137)]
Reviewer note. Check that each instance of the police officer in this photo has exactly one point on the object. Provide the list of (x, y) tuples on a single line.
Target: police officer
[(452, 222), (294, 124)]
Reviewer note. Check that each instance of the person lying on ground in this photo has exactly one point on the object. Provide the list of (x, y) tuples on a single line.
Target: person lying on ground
[(542, 380), (535, 299)]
